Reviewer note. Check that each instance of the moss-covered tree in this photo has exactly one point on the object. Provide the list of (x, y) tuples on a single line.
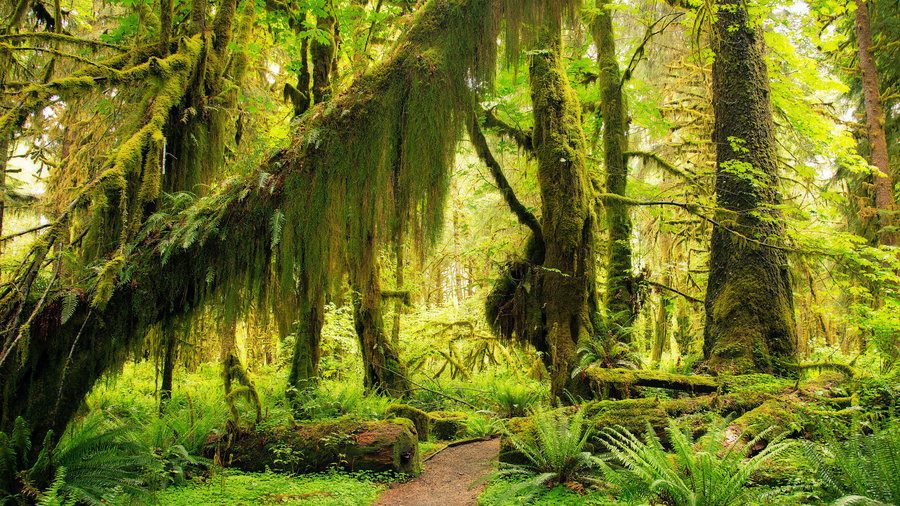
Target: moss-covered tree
[(311, 209), (749, 302), (619, 298)]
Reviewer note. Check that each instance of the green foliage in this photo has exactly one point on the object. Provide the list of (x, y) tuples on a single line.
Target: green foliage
[(555, 455), (53, 495), (514, 398), (712, 470), (864, 468), (331, 489), (102, 462), (611, 346)]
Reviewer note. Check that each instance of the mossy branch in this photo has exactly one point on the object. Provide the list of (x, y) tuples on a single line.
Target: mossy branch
[(52, 51), (667, 166), (59, 37), (693, 209), (521, 137), (673, 290), (525, 216)]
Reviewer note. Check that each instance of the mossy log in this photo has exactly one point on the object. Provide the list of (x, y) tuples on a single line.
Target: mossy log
[(448, 425), (388, 445), (419, 418), (758, 401), (623, 379)]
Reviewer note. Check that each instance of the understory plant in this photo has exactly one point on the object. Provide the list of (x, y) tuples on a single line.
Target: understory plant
[(556, 454), (864, 468), (711, 470)]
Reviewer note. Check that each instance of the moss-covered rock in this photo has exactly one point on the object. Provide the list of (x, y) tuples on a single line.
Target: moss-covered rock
[(388, 445), (420, 419), (448, 425)]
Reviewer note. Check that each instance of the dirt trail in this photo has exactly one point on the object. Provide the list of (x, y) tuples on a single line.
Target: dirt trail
[(447, 476)]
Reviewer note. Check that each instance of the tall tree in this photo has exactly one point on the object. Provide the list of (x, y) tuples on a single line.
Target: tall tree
[(620, 292), (884, 188), (749, 301)]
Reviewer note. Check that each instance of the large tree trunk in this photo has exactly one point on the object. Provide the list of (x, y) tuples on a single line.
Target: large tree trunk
[(384, 372), (564, 284), (304, 372), (884, 189), (620, 294), (749, 302)]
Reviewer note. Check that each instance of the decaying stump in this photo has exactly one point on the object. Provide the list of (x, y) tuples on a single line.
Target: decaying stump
[(388, 445)]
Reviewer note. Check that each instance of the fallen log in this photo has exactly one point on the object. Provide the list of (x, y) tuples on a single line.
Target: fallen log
[(622, 380), (756, 401), (353, 445)]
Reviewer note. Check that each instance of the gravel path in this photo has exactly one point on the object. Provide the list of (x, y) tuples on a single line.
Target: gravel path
[(447, 477)]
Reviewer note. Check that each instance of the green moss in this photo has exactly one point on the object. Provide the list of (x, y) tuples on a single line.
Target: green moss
[(448, 425), (756, 383), (421, 420)]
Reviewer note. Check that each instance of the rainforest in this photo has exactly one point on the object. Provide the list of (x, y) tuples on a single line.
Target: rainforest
[(449, 252)]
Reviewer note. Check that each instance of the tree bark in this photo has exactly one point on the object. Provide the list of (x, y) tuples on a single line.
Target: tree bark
[(884, 188), (384, 372), (322, 56), (620, 293), (168, 369), (565, 282), (749, 302), (304, 372)]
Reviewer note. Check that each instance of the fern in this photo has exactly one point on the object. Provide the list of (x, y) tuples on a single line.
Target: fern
[(102, 461), (556, 454), (277, 227), (51, 496), (708, 471), (69, 304), (864, 469)]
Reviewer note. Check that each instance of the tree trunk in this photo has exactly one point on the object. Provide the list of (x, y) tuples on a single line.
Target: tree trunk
[(398, 279), (384, 372), (322, 56), (749, 302), (307, 343), (661, 333), (620, 294), (564, 284), (884, 188), (168, 369)]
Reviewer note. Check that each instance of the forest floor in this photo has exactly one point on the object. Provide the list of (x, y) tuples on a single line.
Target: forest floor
[(447, 478)]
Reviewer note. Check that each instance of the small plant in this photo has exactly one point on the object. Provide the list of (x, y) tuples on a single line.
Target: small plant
[(555, 455), (609, 348), (101, 462), (514, 399), (482, 425), (712, 470), (864, 469)]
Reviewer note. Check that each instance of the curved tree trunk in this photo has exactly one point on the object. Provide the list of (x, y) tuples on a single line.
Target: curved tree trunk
[(749, 302)]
